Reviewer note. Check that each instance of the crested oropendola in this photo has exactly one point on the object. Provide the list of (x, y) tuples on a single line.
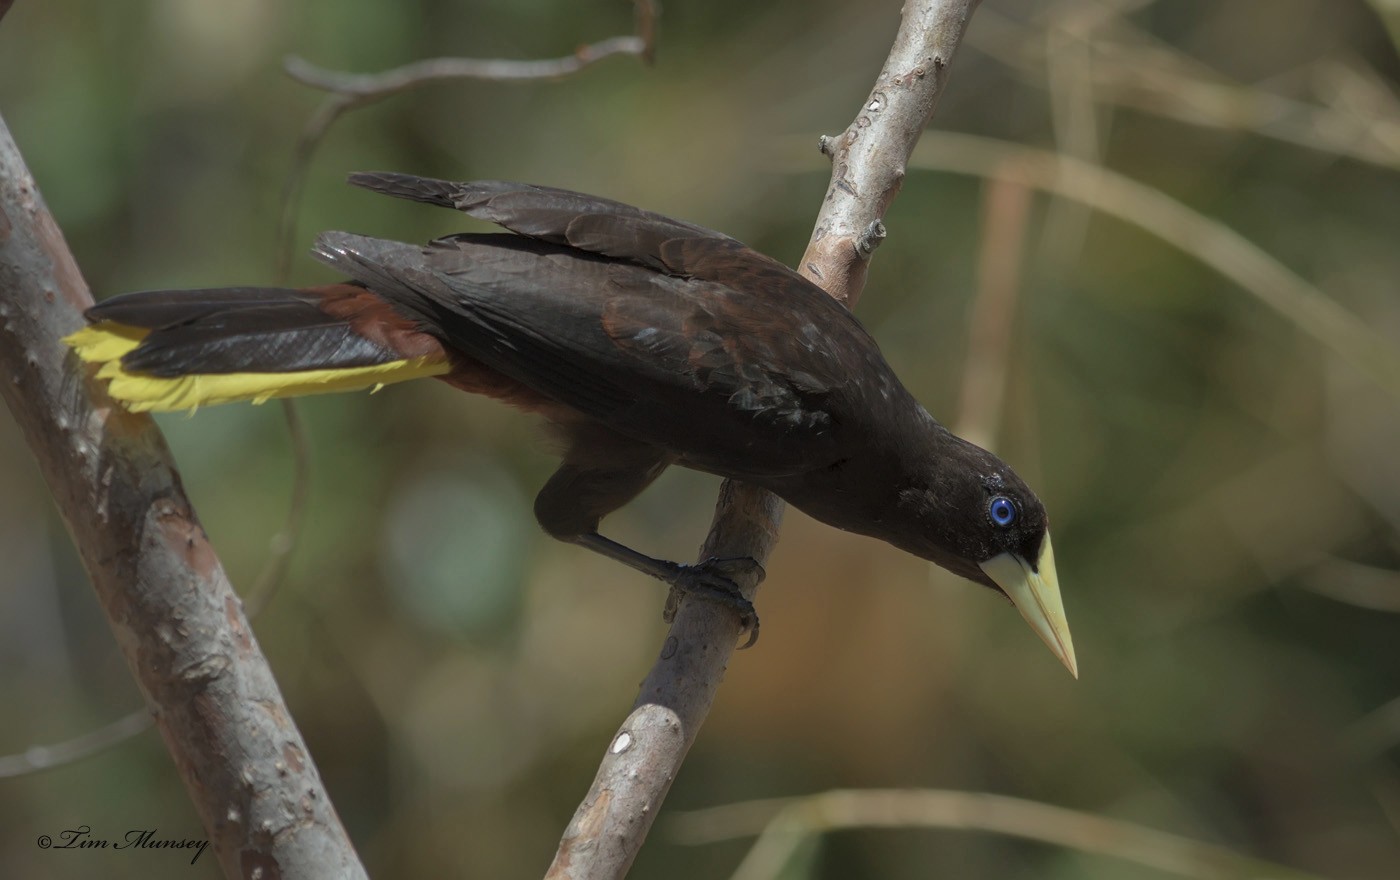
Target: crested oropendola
[(647, 341)]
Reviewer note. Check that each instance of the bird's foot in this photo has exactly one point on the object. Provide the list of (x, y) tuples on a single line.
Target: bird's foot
[(716, 580)]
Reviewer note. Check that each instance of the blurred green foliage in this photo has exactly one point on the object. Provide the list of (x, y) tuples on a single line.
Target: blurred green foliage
[(457, 674)]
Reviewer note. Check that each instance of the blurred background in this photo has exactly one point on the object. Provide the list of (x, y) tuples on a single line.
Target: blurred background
[(1224, 485)]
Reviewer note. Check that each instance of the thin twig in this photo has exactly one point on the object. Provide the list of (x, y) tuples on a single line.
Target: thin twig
[(868, 166), (350, 91), (1374, 733), (1385, 788), (376, 86), (166, 597), (1389, 12), (1145, 77), (783, 823), (1365, 586), (37, 758), (1210, 241), (280, 548), (1005, 213), (1074, 122)]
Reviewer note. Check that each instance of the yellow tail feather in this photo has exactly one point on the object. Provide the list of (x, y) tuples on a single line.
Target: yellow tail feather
[(106, 342)]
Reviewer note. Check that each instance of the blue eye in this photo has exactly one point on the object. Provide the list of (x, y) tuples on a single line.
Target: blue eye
[(1002, 511)]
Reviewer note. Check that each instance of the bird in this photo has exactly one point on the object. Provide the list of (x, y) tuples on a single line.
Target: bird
[(645, 341)]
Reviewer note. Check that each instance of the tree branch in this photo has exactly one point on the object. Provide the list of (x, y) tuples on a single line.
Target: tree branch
[(350, 91), (169, 603), (374, 86), (44, 757), (868, 165)]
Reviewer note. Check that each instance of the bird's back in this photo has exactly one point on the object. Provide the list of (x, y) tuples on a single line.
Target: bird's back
[(751, 380)]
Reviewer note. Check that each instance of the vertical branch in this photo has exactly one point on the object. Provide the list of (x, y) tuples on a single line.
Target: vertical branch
[(1069, 74), (1005, 212), (169, 603), (868, 166)]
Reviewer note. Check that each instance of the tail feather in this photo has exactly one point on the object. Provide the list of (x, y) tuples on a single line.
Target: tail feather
[(174, 350), (161, 308), (264, 339)]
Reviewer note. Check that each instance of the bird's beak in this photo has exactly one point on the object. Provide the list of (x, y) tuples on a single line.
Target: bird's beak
[(1035, 589)]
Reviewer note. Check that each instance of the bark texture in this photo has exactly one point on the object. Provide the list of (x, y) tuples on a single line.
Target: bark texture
[(170, 605), (868, 165)]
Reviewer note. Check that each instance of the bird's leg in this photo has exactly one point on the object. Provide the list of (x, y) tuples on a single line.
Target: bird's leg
[(726, 573), (712, 580), (601, 472)]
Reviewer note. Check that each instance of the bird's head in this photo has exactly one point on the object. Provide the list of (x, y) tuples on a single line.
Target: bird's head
[(978, 519)]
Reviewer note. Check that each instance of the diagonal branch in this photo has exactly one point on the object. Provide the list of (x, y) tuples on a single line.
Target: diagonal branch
[(36, 758), (169, 603), (868, 166)]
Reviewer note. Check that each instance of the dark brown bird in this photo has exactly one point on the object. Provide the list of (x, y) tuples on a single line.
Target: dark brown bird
[(647, 341)]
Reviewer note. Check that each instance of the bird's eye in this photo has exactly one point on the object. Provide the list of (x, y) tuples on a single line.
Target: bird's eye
[(1002, 511)]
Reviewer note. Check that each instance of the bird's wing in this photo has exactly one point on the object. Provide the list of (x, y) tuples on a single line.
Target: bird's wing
[(596, 225), (716, 374)]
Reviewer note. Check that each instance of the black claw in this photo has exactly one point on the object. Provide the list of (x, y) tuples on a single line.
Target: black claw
[(750, 625), (737, 567), (713, 580)]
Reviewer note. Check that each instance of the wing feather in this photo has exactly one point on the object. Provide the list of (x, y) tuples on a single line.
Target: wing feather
[(663, 358), (599, 226)]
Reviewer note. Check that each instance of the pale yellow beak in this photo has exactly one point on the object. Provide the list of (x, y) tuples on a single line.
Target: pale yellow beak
[(1036, 593)]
